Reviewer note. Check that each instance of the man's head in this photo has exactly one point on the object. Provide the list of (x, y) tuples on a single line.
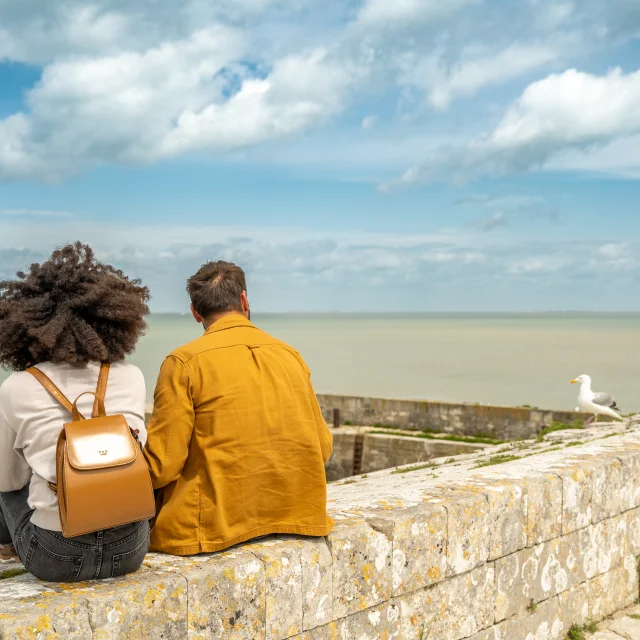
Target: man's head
[(217, 289)]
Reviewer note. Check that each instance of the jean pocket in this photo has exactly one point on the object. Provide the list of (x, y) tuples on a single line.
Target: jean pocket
[(130, 561), (48, 565)]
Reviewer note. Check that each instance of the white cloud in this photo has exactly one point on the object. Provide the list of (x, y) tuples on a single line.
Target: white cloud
[(468, 76), (571, 110), (310, 269), (538, 264), (43, 31), (386, 11), (127, 82), (300, 91), (180, 97)]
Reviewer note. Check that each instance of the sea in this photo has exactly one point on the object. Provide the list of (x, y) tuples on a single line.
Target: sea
[(498, 359)]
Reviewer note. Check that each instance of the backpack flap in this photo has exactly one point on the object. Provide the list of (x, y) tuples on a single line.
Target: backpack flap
[(100, 443)]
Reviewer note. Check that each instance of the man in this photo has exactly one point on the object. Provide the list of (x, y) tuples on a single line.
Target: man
[(236, 443)]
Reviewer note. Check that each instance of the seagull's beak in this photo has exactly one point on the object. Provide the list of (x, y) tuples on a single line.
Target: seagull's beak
[(573, 381)]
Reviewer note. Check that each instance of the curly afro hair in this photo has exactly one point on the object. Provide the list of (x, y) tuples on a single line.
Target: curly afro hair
[(70, 309)]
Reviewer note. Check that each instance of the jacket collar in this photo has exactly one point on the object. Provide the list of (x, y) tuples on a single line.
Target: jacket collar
[(229, 322)]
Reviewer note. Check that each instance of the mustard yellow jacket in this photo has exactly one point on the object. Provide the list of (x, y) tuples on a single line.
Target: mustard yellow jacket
[(236, 443)]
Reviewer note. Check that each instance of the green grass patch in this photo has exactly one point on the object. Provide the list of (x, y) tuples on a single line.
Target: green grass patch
[(416, 467), (12, 573), (347, 423), (348, 482), (577, 632), (559, 426), (574, 443), (481, 439), (635, 616), (499, 459)]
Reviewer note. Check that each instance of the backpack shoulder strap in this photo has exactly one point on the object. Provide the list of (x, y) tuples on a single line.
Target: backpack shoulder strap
[(101, 389), (46, 382)]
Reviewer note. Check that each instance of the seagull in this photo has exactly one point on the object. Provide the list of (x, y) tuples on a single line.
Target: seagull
[(593, 402)]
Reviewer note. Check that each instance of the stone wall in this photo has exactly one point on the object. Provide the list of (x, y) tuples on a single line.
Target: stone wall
[(382, 451), (503, 423), (515, 551)]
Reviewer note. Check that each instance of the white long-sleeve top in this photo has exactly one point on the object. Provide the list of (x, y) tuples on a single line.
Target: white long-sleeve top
[(31, 420)]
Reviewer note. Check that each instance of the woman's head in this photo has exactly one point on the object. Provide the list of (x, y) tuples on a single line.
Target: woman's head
[(70, 309)]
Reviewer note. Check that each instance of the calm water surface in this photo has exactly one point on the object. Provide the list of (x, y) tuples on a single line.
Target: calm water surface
[(500, 359)]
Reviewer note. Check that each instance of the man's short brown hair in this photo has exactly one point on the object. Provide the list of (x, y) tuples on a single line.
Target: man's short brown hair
[(216, 288)]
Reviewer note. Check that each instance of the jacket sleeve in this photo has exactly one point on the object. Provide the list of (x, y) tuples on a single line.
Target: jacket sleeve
[(171, 424), (326, 439), (14, 470)]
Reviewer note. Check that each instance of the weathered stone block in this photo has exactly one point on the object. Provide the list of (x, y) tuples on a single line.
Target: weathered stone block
[(574, 605), (377, 623), (467, 529), (283, 586), (21, 588), (609, 593), (545, 623), (59, 618), (610, 541), (492, 633), (544, 510), (150, 604), (633, 530), (531, 576), (508, 519), (631, 577), (226, 593), (156, 607), (455, 608), (581, 555), (629, 479), (419, 537), (361, 567), (317, 583), (607, 485), (577, 491)]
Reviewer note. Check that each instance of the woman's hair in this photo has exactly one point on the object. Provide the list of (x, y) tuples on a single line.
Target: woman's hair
[(70, 309)]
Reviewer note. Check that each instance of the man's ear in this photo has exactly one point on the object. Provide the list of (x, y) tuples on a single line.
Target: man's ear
[(198, 318), (245, 303)]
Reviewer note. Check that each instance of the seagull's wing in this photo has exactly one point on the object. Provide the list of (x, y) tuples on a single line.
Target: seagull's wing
[(605, 400)]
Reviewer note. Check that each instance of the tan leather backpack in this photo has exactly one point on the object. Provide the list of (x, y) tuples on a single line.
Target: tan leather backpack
[(102, 478)]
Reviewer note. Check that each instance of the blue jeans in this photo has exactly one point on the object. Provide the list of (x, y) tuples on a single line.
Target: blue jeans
[(50, 556)]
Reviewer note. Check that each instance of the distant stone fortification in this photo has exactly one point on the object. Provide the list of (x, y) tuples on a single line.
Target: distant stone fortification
[(503, 423)]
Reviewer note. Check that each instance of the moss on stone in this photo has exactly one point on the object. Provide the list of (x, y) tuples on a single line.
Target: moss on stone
[(416, 467), (559, 426), (12, 573), (499, 459), (477, 439)]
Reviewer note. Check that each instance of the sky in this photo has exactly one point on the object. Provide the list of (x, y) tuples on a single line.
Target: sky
[(369, 155)]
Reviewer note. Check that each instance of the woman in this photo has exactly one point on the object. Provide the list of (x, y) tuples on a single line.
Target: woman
[(66, 316)]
